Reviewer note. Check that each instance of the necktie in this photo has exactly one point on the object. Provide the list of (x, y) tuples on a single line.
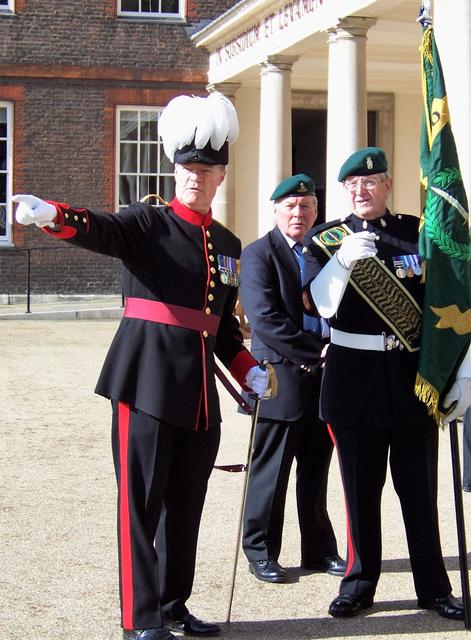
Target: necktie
[(310, 323)]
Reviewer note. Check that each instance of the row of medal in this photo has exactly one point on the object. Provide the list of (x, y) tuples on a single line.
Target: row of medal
[(229, 270), (408, 266)]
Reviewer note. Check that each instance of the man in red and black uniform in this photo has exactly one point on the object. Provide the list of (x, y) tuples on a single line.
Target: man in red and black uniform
[(180, 282)]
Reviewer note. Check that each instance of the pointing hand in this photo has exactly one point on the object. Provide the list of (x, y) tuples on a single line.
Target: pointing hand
[(33, 210)]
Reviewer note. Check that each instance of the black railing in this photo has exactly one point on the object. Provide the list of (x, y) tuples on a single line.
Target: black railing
[(15, 282)]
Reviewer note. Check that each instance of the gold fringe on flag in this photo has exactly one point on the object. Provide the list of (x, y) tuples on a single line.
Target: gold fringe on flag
[(427, 393)]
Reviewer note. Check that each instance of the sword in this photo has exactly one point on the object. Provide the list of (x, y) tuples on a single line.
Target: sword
[(245, 468)]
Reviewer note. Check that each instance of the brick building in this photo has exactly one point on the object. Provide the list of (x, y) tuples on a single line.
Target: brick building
[(81, 89)]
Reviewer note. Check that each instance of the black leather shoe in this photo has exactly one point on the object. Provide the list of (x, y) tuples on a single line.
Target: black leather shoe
[(447, 607), (191, 626), (147, 634), (268, 571), (334, 565), (347, 605)]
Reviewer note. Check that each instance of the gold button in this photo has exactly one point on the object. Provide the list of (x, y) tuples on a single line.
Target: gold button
[(212, 284), (207, 311), (75, 218), (210, 246), (84, 220), (66, 215), (211, 258), (208, 233), (213, 270), (210, 297), (205, 333)]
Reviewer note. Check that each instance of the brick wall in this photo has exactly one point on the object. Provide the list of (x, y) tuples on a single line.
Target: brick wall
[(65, 69)]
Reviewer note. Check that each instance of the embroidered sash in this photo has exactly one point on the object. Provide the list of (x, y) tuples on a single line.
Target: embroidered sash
[(381, 289)]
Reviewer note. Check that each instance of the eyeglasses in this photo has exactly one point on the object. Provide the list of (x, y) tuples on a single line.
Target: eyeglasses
[(365, 183)]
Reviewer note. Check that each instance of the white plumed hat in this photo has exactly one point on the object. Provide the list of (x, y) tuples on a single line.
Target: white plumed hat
[(197, 129)]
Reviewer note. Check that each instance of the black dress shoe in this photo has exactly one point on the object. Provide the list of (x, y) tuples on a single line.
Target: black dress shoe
[(447, 607), (191, 626), (347, 605), (334, 565), (268, 571), (147, 634)]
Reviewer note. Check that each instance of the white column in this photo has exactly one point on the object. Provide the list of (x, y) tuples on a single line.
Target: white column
[(224, 201), (452, 26), (347, 103), (275, 133)]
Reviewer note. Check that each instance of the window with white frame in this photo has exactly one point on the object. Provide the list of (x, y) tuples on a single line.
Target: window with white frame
[(7, 5), (151, 8), (142, 166), (6, 118)]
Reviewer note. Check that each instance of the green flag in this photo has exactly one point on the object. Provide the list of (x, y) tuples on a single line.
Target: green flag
[(444, 241)]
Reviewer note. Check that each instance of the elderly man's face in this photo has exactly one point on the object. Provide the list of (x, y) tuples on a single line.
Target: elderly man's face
[(368, 194), (295, 215), (196, 184)]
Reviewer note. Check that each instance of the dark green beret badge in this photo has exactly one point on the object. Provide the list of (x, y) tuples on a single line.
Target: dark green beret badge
[(364, 162), (297, 185)]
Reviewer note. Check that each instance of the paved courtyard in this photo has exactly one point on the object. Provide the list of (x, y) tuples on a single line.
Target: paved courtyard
[(57, 502)]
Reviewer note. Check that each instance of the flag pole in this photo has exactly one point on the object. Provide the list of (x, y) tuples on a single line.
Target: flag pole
[(460, 526)]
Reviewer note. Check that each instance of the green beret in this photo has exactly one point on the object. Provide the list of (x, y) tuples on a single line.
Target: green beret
[(364, 162), (298, 185)]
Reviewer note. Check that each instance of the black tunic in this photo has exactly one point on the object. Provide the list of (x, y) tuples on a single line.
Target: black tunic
[(166, 371), (370, 388)]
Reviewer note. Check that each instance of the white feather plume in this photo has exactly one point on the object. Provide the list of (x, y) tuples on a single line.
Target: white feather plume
[(226, 125), (176, 126), (211, 119)]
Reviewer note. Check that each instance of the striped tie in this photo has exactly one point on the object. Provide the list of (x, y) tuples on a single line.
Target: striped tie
[(310, 323)]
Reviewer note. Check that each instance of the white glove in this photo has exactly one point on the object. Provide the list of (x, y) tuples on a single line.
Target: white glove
[(356, 246), (34, 210), (257, 379), (460, 393)]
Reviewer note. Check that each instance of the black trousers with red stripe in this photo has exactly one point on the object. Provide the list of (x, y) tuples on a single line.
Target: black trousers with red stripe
[(162, 473), (413, 459)]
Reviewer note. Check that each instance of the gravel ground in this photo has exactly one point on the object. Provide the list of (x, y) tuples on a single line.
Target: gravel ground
[(57, 499)]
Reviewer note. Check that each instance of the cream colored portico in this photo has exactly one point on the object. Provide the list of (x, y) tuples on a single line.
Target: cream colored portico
[(349, 57)]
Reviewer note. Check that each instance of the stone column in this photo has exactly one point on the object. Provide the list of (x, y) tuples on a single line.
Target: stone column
[(224, 201), (347, 103), (275, 132)]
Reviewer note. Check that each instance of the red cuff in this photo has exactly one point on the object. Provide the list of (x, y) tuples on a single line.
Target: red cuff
[(67, 221), (240, 366)]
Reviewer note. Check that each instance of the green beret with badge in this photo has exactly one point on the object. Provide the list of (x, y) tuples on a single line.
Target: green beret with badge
[(364, 162), (297, 185)]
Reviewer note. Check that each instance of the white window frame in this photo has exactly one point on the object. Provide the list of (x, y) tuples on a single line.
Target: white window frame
[(138, 173), (6, 240), (8, 7), (180, 16)]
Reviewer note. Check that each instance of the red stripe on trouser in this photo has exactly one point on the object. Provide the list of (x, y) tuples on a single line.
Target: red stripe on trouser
[(350, 545), (125, 553)]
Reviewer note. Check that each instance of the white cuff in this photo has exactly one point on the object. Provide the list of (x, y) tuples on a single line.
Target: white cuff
[(328, 287)]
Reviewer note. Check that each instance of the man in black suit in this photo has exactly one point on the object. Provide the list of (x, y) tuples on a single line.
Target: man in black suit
[(289, 426), (180, 281)]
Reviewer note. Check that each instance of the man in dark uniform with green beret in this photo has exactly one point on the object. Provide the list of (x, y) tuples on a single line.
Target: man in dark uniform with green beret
[(288, 425), (364, 274), (180, 281)]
